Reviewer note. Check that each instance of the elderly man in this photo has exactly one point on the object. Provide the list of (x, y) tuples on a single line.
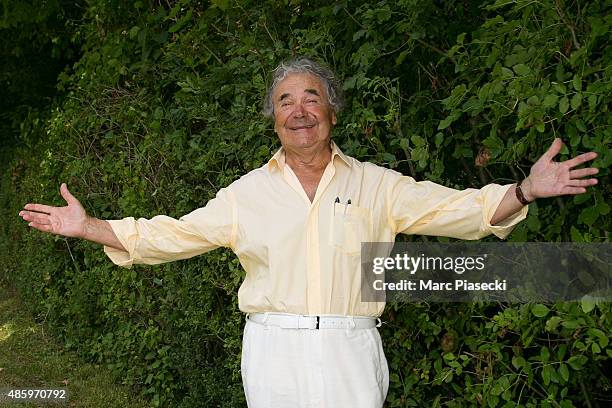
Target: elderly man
[(296, 224)]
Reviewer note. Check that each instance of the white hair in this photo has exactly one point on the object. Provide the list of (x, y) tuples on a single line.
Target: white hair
[(303, 65)]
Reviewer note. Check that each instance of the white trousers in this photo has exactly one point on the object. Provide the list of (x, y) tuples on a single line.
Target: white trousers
[(302, 368)]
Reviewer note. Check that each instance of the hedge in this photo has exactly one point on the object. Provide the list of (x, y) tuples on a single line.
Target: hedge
[(160, 107)]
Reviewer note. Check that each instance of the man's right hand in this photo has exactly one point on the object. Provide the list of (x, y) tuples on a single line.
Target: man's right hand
[(69, 221)]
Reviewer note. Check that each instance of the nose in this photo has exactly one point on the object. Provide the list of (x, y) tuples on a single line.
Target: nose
[(299, 111)]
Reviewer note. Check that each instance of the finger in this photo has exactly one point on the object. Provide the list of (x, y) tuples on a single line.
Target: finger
[(582, 183), (39, 207), (66, 194), (554, 149), (576, 174), (35, 217), (573, 190), (41, 227), (584, 157)]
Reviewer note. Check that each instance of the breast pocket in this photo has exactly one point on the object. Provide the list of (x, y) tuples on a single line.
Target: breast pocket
[(350, 226)]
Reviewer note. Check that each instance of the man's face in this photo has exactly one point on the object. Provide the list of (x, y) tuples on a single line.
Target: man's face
[(302, 114)]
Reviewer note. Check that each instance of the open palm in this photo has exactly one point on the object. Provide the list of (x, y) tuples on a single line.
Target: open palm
[(69, 221), (548, 178)]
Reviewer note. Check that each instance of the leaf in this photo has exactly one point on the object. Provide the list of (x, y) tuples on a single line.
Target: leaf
[(134, 32), (563, 105), (494, 143), (580, 125), (588, 215), (575, 139), (550, 100), (439, 139), (402, 56), (533, 101), (576, 237), (221, 4), (522, 69), (506, 73), (570, 324), (181, 23), (540, 310), (418, 140), (564, 372), (582, 198), (446, 122), (561, 350), (587, 303), (552, 323), (577, 362), (546, 374), (533, 223), (601, 336), (359, 34), (603, 208), (576, 101), (544, 354), (518, 362)]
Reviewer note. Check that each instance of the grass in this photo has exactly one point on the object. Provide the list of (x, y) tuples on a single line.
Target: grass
[(30, 358)]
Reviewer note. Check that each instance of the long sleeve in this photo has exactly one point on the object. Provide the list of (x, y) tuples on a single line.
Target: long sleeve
[(427, 208), (163, 239)]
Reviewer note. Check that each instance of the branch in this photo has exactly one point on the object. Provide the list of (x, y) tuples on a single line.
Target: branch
[(570, 26)]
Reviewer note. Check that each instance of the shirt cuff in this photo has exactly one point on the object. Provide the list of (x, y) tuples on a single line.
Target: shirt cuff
[(503, 228), (126, 233)]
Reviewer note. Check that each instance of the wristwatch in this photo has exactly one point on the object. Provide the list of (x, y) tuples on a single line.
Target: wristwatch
[(519, 194)]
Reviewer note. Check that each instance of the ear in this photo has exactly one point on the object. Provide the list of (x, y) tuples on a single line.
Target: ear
[(333, 118)]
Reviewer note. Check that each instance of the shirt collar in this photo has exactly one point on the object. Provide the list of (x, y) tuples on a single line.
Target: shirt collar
[(278, 160)]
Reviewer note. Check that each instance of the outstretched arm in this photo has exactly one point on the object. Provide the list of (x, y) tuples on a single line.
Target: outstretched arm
[(548, 178), (152, 241), (70, 221)]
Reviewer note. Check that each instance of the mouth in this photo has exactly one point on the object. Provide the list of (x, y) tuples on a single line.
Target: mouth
[(300, 127)]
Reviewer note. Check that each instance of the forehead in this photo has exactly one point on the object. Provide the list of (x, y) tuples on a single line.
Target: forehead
[(296, 84)]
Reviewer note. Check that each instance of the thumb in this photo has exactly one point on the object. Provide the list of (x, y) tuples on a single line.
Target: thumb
[(554, 149), (66, 194)]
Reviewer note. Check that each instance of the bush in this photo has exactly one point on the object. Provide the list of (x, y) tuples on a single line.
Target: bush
[(162, 108)]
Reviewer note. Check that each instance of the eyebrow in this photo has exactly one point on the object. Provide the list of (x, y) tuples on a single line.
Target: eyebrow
[(312, 91), (309, 90)]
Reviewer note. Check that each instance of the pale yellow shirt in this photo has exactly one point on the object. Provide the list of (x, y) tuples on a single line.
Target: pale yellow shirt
[(302, 257)]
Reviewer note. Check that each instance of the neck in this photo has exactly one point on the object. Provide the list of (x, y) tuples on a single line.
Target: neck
[(311, 159)]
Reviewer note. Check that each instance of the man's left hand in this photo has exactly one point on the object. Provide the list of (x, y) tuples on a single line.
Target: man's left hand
[(548, 178)]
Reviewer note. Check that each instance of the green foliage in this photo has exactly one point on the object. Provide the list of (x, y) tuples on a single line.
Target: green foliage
[(38, 41), (30, 358), (162, 108)]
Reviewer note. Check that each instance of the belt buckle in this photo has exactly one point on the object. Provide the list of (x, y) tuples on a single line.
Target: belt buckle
[(312, 324)]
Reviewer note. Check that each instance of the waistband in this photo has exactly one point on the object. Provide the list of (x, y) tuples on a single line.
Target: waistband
[(296, 321)]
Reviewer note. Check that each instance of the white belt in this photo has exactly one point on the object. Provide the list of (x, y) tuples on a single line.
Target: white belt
[(296, 321)]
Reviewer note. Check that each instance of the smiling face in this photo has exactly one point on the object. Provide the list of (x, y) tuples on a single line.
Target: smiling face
[(303, 117)]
